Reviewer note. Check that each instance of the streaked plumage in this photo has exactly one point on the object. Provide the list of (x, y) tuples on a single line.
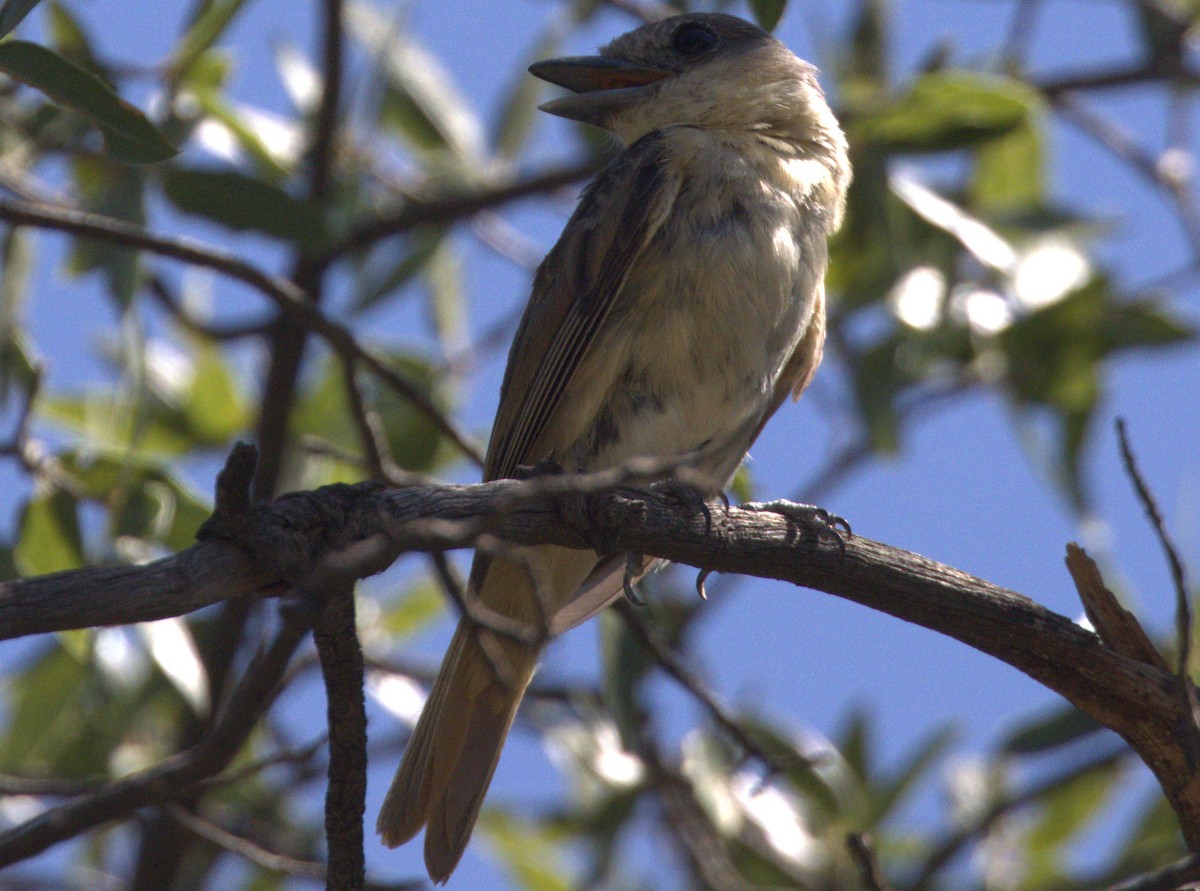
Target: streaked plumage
[(682, 304)]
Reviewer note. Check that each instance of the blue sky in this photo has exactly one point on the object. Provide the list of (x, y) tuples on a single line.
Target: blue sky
[(966, 489)]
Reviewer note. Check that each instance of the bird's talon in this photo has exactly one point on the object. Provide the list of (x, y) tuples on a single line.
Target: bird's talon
[(815, 519)]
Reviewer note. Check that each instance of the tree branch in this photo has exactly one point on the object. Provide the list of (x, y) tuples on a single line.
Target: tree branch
[(277, 545)]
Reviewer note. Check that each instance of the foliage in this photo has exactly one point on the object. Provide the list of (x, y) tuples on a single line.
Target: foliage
[(959, 270)]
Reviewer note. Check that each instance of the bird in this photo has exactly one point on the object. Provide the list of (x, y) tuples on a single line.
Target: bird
[(681, 306)]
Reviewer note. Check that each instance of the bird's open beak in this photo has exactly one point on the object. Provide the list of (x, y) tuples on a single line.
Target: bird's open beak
[(601, 86)]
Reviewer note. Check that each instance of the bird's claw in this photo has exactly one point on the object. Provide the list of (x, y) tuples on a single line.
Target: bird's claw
[(817, 520), (687, 496)]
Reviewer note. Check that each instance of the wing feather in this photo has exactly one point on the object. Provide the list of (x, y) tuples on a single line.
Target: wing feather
[(575, 290)]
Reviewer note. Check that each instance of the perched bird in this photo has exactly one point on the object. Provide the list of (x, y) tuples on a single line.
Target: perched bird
[(682, 304)]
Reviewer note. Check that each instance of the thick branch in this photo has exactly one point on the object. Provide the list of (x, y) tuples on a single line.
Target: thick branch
[(283, 541)]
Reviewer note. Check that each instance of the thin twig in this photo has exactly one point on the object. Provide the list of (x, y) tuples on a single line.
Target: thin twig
[(863, 854), (1183, 618), (673, 666), (291, 299)]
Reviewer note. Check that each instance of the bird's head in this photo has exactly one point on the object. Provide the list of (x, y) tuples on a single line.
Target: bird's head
[(703, 70)]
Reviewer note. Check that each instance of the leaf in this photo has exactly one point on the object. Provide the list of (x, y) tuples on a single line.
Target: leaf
[(1068, 807), (520, 105), (1009, 175), (420, 100), (1061, 726), (889, 792), (128, 135), (116, 192), (16, 350), (12, 12), (531, 853), (374, 286), (947, 110), (40, 712), (48, 535), (211, 20), (72, 41), (245, 203), (767, 12), (414, 610), (212, 403)]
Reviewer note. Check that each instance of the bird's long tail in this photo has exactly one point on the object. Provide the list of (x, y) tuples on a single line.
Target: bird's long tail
[(452, 754)]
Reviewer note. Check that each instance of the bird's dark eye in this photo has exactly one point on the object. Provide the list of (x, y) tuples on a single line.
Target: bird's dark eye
[(693, 40)]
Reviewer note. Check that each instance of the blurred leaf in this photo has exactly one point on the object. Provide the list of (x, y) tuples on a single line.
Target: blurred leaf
[(1061, 726), (16, 350), (420, 100), (245, 203), (40, 713), (142, 499), (1009, 173), (947, 110), (819, 777), (210, 20), (128, 135), (626, 664), (1066, 810), (414, 440), (520, 104), (213, 405), (530, 852), (414, 610), (72, 41), (273, 159), (888, 792), (443, 276), (374, 286), (12, 12), (48, 537), (115, 192), (767, 12)]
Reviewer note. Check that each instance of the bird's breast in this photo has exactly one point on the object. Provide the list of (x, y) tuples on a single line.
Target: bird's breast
[(708, 316)]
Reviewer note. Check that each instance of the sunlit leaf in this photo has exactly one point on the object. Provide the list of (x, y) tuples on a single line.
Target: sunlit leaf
[(41, 714), (947, 110), (1068, 808), (1009, 173), (71, 40), (245, 203), (414, 610), (115, 192), (49, 538), (212, 18), (128, 135), (420, 100), (530, 853)]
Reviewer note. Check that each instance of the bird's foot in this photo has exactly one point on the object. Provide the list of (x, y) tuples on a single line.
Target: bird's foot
[(817, 521), (690, 497), (548, 466)]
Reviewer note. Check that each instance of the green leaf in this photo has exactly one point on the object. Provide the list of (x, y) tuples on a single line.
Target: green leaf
[(889, 792), (1009, 175), (416, 608), (375, 286), (114, 191), (48, 536), (142, 499), (211, 19), (128, 135), (71, 40), (16, 350), (41, 711), (520, 105), (245, 203), (419, 100), (531, 853), (947, 110), (1061, 726), (12, 12), (1068, 807), (767, 12)]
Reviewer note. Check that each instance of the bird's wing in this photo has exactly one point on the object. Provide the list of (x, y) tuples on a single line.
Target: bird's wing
[(576, 287)]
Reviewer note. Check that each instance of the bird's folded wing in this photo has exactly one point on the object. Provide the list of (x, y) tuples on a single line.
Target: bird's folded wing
[(576, 288)]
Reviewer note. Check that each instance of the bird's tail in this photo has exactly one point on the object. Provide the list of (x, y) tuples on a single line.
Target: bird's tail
[(453, 751)]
